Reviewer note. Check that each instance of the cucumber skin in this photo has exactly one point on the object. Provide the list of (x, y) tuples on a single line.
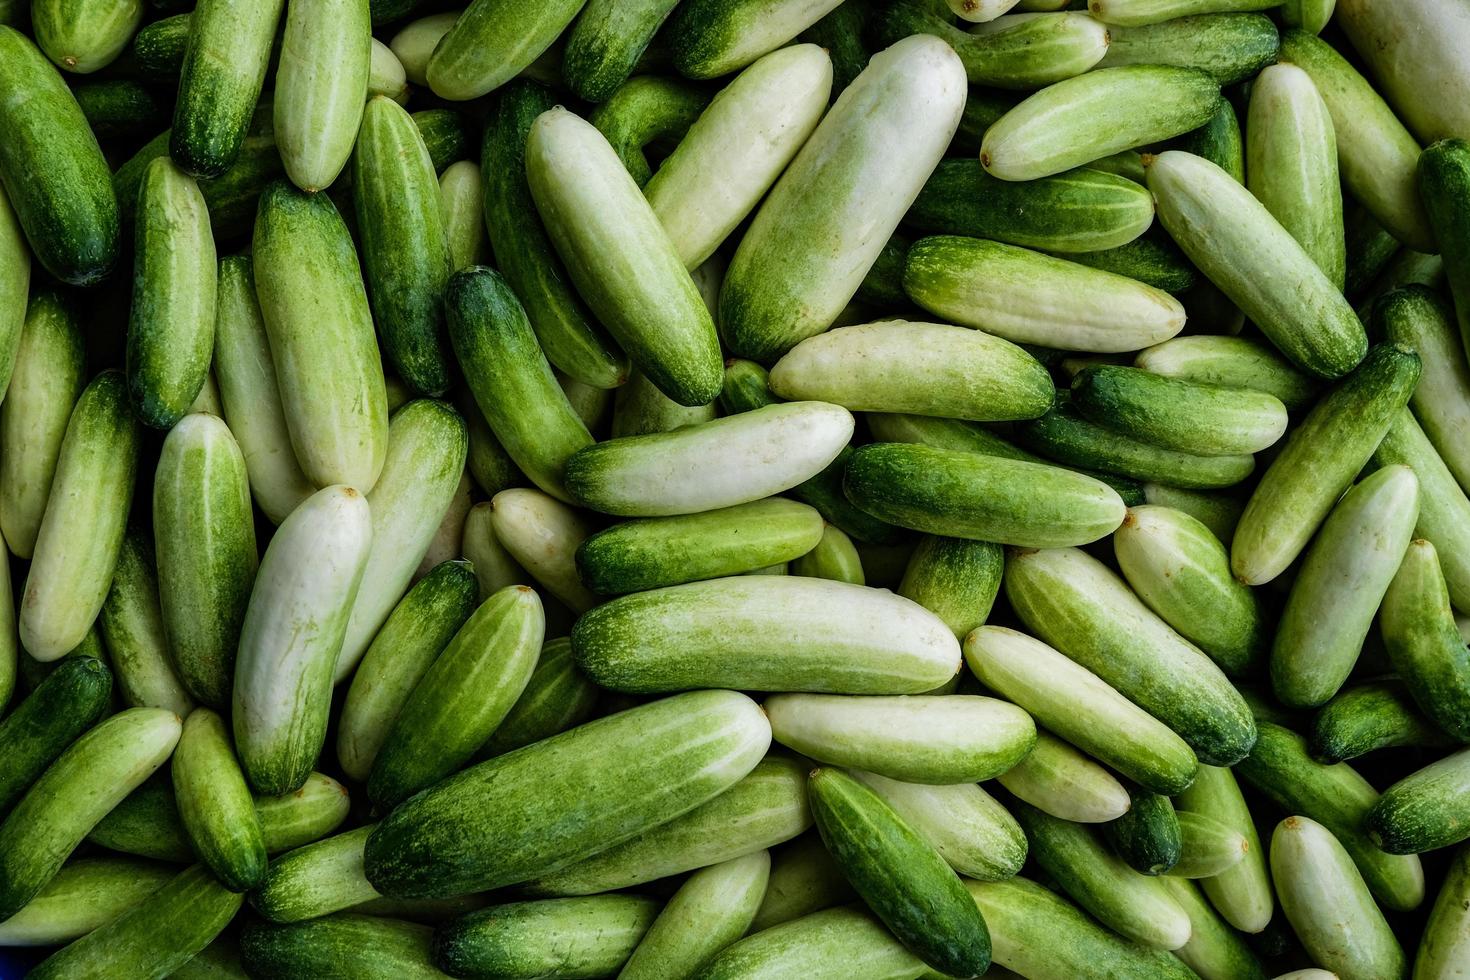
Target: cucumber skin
[(120, 108), (1152, 260), (369, 947), (320, 86), (605, 43), (1147, 836), (956, 580), (1425, 648), (645, 109), (86, 894), (158, 48), (706, 36), (1371, 716), (589, 937), (1219, 141), (71, 699), (52, 169), (1242, 894), (824, 945), (557, 697), (1425, 810), (1232, 47), (492, 41), (215, 805), (1444, 180), (1444, 945), (131, 626), (712, 909)]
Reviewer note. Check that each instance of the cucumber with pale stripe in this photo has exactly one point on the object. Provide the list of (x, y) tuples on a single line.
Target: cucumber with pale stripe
[(1371, 716), (1057, 779), (1208, 846), (1153, 409), (1235, 362), (1446, 941), (712, 909), (131, 624), (214, 803), (1020, 51), (69, 701), (320, 88), (86, 894), (370, 946), (1129, 13), (1232, 47), (1424, 645), (84, 36), (321, 878), (1424, 810), (591, 937), (965, 824), (557, 697), (462, 212), (605, 43)]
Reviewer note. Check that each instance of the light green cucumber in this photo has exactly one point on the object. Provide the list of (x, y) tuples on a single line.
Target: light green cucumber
[(1181, 571), (969, 829), (65, 704), (1446, 940), (318, 879), (462, 212), (1340, 585), (710, 38), (1031, 298), (1020, 51), (1402, 48), (81, 534), (414, 43), (131, 624), (1375, 715), (605, 44), (1057, 779), (835, 557), (320, 88), (15, 280), (557, 697), (842, 638), (368, 946), (413, 495), (215, 805), (321, 335), (385, 74), (1152, 408), (1215, 951), (1077, 705), (1444, 510), (86, 893), (538, 809), (729, 461), (1147, 837), (492, 41), (1230, 46), (1241, 893), (1076, 604), (712, 909), (1233, 362), (620, 258), (737, 148), (1128, 13), (543, 534), (1207, 846), (291, 636), (1424, 645), (804, 879), (1424, 810), (847, 188), (593, 405), (494, 567), (640, 408), (76, 791), (825, 945), (83, 36), (1417, 317), (955, 579), (204, 533), (939, 740), (557, 937)]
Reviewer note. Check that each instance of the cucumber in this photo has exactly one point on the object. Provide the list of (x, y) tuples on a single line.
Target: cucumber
[(318, 879), (639, 408), (644, 110), (1154, 261), (488, 461), (291, 635), (120, 107), (415, 42), (1371, 716), (710, 38), (1443, 947), (1128, 13), (761, 452), (1341, 584), (385, 74), (494, 567), (1214, 951), (1424, 810), (938, 740), (835, 557), (1444, 510), (321, 338), (85, 894), (131, 623), (1338, 798), (605, 44), (764, 809), (1147, 837), (1218, 141), (366, 946), (1057, 779), (1370, 249), (1135, 906), (972, 832), (493, 41), (712, 909), (462, 211), (404, 248), (248, 392), (223, 71), (848, 188), (1075, 704), (81, 534), (556, 698), (1022, 51), (1231, 47), (1444, 170), (446, 136), (1042, 934), (15, 279), (1077, 211), (415, 492), (925, 905), (320, 88), (1241, 893), (1417, 317), (1309, 322), (158, 48), (65, 704), (558, 937), (542, 534), (842, 33), (215, 805), (1216, 511), (52, 170), (1292, 165), (825, 945), (402, 651), (1180, 570), (955, 579), (1031, 298), (83, 36), (1424, 646), (1148, 407), (511, 379), (1073, 602), (1207, 847), (842, 638), (1318, 462), (1233, 362), (1399, 51), (804, 879), (1328, 904), (661, 551), (620, 259), (76, 791)]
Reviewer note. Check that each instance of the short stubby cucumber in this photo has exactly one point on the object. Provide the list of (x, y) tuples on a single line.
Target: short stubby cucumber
[(215, 807), (1060, 780), (1425, 647), (369, 946), (320, 88), (955, 579), (1188, 417), (1366, 717)]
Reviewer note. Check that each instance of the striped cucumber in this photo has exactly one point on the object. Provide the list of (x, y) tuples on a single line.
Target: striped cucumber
[(1371, 716), (972, 832), (69, 701), (1218, 141), (556, 698), (131, 623), (1241, 893), (1021, 51), (1207, 846), (1214, 951), (462, 210), (1233, 362), (1150, 408), (320, 88), (385, 73), (1418, 317), (1424, 810), (842, 33), (321, 878), (1424, 645), (835, 557), (291, 635), (83, 36), (1057, 779), (204, 533), (370, 947), (848, 188), (568, 937), (712, 909), (86, 894), (1444, 510), (606, 42), (710, 38), (1231, 47), (215, 805), (414, 43), (491, 42), (955, 579), (1147, 837), (843, 638)]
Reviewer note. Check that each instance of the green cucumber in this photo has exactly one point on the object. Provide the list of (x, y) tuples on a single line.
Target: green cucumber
[(158, 48), (291, 635), (491, 42), (223, 71), (842, 638), (1424, 810), (1077, 705), (1424, 645), (493, 565), (835, 557), (804, 879), (1233, 362), (81, 534), (1444, 169), (1242, 893), (1218, 141), (938, 740), (737, 148), (1247, 254), (955, 579), (826, 945), (488, 462), (644, 110), (1076, 604), (1129, 13), (1207, 846), (1340, 586), (1418, 317), (131, 624), (320, 89), (847, 188), (1370, 249), (366, 946), (1216, 511), (556, 698), (924, 905), (1318, 462), (1328, 904), (76, 791), (205, 537), (620, 258), (52, 169), (1292, 165), (414, 43), (1031, 298), (65, 704), (1400, 49), (86, 894), (1057, 779), (462, 211), (1376, 715), (764, 809), (1147, 837), (83, 36), (1022, 51), (710, 38), (972, 832), (15, 281), (120, 107), (1444, 510), (1150, 408), (1214, 951), (712, 909), (556, 937), (1181, 571), (1336, 796), (321, 878), (231, 197), (543, 534), (640, 408), (385, 74), (1229, 46), (1152, 260), (842, 33), (215, 805), (1077, 211), (604, 45), (1444, 946), (446, 136)]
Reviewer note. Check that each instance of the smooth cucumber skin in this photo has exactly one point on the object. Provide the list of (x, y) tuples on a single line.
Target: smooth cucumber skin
[(86, 893), (492, 42), (605, 43), (1016, 52), (1219, 141), (823, 945), (369, 947), (320, 88), (575, 937), (835, 557), (120, 107), (1444, 510), (1446, 941), (68, 702), (542, 534), (1242, 893), (83, 36), (966, 825), (462, 208), (957, 580), (925, 905), (1404, 49), (215, 805), (844, 638), (223, 71), (404, 248), (827, 219), (1425, 648), (539, 808), (639, 408), (1152, 260), (52, 169), (1215, 950), (712, 909), (557, 697), (1230, 46), (1376, 715), (1424, 810)]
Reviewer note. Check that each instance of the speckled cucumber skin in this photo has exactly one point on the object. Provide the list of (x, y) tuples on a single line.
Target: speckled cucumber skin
[(605, 43), (323, 877), (557, 697), (1446, 941), (492, 42), (591, 936), (957, 580), (1234, 362), (86, 893), (711, 38), (215, 805), (712, 909), (1424, 645), (1151, 408), (825, 945), (1418, 317), (1016, 52), (1424, 810), (1230, 46), (1444, 510), (83, 36), (1376, 715), (69, 701)]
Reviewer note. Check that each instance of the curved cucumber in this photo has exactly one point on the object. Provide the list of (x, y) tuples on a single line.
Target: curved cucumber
[(712, 909), (955, 579), (556, 698), (1230, 46), (542, 534), (604, 45), (590, 937), (368, 946), (131, 624), (1057, 779), (1232, 362), (215, 805), (68, 702), (972, 832), (1150, 408), (643, 110), (1424, 645), (491, 42), (385, 73), (86, 894), (1371, 716), (318, 879), (639, 408), (1022, 51), (320, 88)]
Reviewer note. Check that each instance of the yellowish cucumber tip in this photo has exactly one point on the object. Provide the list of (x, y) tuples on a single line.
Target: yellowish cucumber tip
[(1129, 520), (1293, 823), (1147, 159), (985, 158)]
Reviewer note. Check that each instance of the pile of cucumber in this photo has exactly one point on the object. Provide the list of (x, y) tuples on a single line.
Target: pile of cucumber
[(735, 489)]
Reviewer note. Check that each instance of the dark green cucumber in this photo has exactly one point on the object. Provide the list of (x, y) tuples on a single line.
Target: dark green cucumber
[(1147, 836), (955, 579), (605, 43), (710, 38), (1154, 260), (1425, 810), (120, 107), (1369, 247), (366, 947), (158, 48), (446, 136), (1424, 645), (557, 697), (1444, 182), (842, 34), (569, 937), (882, 287), (1376, 715), (63, 706), (645, 110), (1230, 46), (1219, 141)]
